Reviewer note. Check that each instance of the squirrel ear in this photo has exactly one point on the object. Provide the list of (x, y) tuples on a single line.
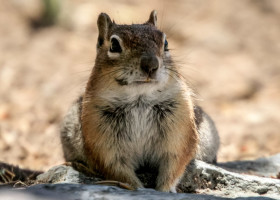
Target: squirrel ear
[(104, 23), (153, 18)]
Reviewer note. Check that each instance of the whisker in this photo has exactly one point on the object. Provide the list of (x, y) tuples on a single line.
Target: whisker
[(171, 75), (110, 73)]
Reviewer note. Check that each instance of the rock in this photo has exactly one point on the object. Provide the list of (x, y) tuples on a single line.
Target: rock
[(206, 180), (65, 174), (213, 180), (90, 192), (63, 191), (268, 167)]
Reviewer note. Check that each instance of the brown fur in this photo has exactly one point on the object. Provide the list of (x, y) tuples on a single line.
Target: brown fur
[(174, 152), (171, 146)]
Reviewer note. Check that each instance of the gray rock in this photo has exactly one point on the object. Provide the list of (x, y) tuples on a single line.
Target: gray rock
[(92, 192), (207, 181), (268, 167), (65, 174)]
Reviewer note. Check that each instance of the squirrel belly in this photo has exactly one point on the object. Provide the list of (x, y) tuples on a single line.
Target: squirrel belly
[(137, 110)]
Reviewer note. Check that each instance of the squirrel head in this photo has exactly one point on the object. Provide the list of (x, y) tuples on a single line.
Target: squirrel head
[(134, 54)]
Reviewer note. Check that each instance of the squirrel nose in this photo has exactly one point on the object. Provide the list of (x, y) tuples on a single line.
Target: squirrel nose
[(149, 64)]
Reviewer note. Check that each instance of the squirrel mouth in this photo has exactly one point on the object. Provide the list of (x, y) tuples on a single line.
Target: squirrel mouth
[(145, 81), (148, 80)]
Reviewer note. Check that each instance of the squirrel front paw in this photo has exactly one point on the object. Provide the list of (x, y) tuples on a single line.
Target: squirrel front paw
[(166, 188)]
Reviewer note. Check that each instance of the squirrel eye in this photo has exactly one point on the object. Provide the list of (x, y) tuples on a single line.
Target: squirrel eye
[(115, 46), (166, 45)]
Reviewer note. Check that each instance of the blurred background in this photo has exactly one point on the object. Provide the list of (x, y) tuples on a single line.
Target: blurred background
[(229, 50)]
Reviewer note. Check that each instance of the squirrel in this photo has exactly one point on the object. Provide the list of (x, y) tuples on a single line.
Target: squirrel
[(137, 110)]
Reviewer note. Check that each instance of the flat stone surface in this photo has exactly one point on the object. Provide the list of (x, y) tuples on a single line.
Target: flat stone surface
[(268, 167), (92, 192), (201, 181)]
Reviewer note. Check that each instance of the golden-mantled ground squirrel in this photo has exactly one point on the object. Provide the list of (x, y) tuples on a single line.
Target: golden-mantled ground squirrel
[(137, 110)]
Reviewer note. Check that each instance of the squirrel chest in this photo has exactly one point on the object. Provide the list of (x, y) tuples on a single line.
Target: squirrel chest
[(140, 123)]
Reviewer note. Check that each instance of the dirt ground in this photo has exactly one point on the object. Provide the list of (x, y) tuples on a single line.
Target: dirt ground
[(228, 49)]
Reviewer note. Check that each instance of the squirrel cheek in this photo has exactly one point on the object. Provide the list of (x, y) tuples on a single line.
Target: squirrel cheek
[(113, 55), (167, 54), (160, 61)]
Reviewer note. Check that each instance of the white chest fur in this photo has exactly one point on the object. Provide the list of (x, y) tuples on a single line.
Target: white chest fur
[(136, 116)]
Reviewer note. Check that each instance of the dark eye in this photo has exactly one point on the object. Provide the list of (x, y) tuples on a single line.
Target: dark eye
[(115, 46), (166, 45)]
